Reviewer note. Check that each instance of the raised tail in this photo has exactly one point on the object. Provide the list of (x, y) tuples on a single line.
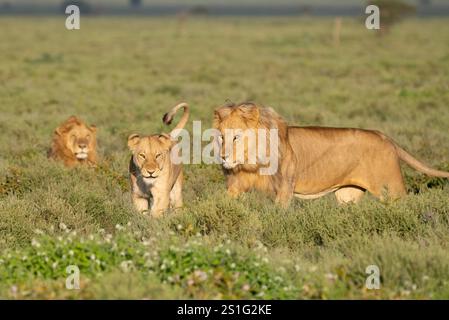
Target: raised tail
[(418, 165), (168, 118)]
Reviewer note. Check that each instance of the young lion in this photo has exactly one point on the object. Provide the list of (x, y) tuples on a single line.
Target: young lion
[(152, 173), (74, 143), (314, 161)]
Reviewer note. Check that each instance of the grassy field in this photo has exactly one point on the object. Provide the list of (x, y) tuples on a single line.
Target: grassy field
[(123, 74)]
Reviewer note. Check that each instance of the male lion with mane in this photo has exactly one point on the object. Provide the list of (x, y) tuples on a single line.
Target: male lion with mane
[(314, 161), (74, 143)]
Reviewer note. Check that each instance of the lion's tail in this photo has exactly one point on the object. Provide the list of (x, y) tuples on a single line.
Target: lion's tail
[(168, 117), (418, 165)]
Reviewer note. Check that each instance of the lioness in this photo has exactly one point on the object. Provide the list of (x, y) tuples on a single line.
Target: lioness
[(74, 143), (153, 175), (314, 161)]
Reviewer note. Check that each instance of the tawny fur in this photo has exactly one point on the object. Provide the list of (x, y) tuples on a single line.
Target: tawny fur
[(315, 161), (71, 139), (154, 178)]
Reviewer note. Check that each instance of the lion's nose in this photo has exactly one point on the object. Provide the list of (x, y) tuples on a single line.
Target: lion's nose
[(150, 172), (82, 145)]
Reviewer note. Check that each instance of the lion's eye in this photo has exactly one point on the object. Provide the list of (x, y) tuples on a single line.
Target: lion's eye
[(142, 156), (158, 155), (236, 137), (88, 137)]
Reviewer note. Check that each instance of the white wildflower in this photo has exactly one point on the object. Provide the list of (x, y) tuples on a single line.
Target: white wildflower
[(126, 265), (331, 276), (201, 275), (62, 226), (35, 243)]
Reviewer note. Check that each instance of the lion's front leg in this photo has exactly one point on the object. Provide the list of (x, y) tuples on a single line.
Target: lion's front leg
[(234, 187), (141, 204), (160, 204), (284, 189), (139, 195), (234, 192), (284, 196), (176, 193), (285, 184)]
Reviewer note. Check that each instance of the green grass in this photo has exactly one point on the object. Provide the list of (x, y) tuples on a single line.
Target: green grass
[(124, 74)]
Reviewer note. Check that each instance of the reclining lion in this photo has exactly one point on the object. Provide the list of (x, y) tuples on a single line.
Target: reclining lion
[(314, 161), (74, 143)]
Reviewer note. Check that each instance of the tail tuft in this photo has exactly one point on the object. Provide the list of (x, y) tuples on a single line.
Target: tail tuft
[(167, 119)]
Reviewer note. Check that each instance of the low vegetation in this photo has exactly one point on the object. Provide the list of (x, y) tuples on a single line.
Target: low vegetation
[(124, 74)]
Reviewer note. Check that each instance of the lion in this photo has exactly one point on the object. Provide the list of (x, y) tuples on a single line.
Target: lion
[(154, 177), (74, 143), (314, 161)]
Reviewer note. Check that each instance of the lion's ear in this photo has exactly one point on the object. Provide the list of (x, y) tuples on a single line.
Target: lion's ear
[(250, 113), (58, 131), (166, 140), (220, 114), (133, 140), (93, 128), (216, 120)]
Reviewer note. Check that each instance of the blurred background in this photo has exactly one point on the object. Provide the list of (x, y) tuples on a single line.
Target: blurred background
[(212, 7)]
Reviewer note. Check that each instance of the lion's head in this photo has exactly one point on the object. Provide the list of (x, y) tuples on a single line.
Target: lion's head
[(238, 124), (75, 142), (150, 154)]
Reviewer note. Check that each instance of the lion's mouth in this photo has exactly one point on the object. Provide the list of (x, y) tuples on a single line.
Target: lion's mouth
[(149, 179), (81, 155), (228, 165), (149, 175)]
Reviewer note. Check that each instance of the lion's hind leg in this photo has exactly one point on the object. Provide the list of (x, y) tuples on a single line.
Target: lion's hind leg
[(389, 185), (347, 195)]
